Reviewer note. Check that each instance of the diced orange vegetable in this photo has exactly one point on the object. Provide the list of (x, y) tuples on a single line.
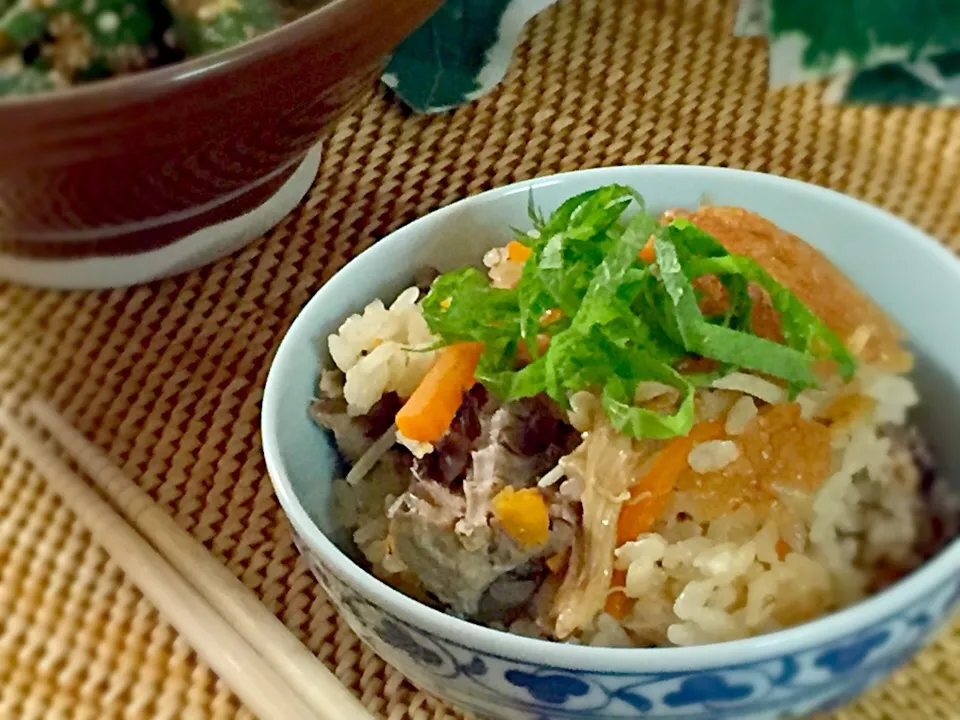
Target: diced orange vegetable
[(649, 495), (517, 252), (696, 364), (431, 408), (551, 316), (618, 604), (783, 548), (647, 253), (523, 352), (523, 515)]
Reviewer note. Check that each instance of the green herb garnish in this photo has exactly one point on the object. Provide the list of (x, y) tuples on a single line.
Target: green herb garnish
[(613, 321)]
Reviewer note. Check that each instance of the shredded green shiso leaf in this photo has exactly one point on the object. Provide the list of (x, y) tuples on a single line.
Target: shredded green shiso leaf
[(623, 321)]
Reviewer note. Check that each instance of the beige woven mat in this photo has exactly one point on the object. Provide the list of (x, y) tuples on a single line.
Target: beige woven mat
[(168, 377)]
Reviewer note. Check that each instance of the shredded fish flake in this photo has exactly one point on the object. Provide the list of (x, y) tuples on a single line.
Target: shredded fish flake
[(372, 456)]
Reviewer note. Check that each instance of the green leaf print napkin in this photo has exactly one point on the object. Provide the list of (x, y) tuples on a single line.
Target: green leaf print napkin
[(873, 51), (881, 51), (459, 53)]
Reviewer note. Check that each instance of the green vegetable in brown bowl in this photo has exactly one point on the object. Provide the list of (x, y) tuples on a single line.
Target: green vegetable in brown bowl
[(145, 174), (49, 44)]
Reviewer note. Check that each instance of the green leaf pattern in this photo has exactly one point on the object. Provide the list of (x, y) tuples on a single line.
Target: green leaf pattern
[(460, 53), (884, 51), (874, 51)]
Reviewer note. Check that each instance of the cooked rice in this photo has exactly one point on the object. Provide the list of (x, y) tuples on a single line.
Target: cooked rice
[(740, 416), (382, 350), (692, 580), (696, 583), (712, 455), (503, 272)]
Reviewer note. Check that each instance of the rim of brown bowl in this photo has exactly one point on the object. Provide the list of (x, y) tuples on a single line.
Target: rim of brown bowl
[(159, 80)]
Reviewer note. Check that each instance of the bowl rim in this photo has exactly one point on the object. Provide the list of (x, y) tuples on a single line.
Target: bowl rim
[(125, 89), (929, 577)]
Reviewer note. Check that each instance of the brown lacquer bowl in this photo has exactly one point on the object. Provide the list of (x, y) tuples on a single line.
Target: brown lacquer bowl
[(127, 180)]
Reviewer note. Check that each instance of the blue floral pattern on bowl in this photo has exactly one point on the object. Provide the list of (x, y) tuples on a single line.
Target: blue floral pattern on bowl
[(497, 687)]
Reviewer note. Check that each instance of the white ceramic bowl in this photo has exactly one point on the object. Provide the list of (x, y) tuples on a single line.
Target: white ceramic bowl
[(786, 674)]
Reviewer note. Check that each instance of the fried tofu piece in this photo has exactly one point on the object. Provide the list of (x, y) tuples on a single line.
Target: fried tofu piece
[(866, 330)]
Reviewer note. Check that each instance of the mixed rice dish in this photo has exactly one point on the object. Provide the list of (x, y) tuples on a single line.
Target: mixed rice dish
[(632, 431)]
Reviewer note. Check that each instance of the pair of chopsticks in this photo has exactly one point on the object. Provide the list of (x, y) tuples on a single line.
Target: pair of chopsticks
[(226, 624)]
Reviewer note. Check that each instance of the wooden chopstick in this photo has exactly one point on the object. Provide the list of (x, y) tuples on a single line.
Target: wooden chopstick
[(259, 686), (238, 605)]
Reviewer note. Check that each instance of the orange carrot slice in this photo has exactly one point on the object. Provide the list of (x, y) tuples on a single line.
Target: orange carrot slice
[(647, 253), (517, 252), (783, 548), (649, 495), (618, 604), (431, 408)]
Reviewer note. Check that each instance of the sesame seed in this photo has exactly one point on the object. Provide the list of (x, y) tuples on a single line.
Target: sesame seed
[(108, 22)]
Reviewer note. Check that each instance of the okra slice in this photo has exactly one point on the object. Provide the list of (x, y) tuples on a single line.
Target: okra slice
[(17, 78), (204, 26), (109, 23)]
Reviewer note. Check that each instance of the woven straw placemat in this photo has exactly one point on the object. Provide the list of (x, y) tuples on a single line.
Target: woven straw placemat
[(168, 377)]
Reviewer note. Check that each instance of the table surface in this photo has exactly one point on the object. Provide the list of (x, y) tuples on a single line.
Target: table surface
[(168, 377)]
